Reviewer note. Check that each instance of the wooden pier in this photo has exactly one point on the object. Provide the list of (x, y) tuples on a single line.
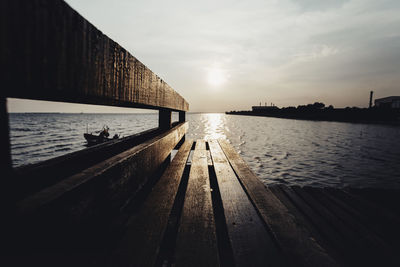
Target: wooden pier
[(126, 203)]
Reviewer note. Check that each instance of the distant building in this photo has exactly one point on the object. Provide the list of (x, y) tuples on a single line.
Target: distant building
[(263, 108), (388, 102)]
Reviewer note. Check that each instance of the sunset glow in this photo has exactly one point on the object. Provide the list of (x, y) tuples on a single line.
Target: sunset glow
[(216, 76)]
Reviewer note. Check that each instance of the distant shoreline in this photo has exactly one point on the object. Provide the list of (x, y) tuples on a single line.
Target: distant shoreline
[(368, 116)]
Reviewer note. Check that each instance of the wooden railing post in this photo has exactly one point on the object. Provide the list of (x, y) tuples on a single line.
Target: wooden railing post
[(182, 119), (5, 152), (182, 116), (164, 119), (164, 123)]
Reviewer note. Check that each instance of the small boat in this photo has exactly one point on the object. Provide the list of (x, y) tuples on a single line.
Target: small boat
[(101, 138)]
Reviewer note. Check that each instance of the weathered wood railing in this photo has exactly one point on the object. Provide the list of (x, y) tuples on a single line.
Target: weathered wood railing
[(49, 52)]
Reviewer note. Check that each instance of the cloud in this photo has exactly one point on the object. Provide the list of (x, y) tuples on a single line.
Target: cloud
[(313, 5), (285, 51)]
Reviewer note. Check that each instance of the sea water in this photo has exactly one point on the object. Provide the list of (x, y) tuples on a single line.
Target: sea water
[(279, 151)]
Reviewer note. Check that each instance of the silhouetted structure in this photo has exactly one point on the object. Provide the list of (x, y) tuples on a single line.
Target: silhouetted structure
[(370, 98), (263, 108), (318, 111), (392, 102)]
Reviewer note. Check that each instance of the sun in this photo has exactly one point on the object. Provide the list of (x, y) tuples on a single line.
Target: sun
[(216, 76)]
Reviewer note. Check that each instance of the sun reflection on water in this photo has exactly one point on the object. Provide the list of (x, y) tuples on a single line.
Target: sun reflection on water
[(214, 126)]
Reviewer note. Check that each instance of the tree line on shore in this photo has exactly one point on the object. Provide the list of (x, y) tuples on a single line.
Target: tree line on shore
[(318, 111), (316, 106)]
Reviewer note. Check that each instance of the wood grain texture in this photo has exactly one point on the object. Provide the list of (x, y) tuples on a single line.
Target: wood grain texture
[(371, 247), (365, 236), (351, 231), (376, 218), (196, 241), (324, 226), (98, 194), (182, 116), (294, 240), (50, 52), (129, 164), (32, 178), (385, 199), (164, 119), (141, 242), (5, 152), (251, 243), (301, 211)]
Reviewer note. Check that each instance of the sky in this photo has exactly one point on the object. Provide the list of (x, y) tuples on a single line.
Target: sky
[(229, 55)]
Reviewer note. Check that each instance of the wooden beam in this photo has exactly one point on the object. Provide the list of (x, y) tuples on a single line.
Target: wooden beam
[(164, 119), (5, 151), (293, 238), (182, 116), (96, 195), (251, 243), (196, 243), (132, 165), (33, 178), (50, 52), (182, 119), (331, 236), (369, 247), (140, 245)]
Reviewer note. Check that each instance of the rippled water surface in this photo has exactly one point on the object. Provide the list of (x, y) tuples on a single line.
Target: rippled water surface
[(293, 152), (37, 137)]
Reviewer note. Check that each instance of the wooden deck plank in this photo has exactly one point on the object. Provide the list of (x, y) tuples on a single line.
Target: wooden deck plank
[(302, 213), (50, 52), (251, 242), (293, 239), (372, 246), (327, 215), (386, 199), (196, 241), (357, 248), (327, 232), (346, 217), (141, 243), (382, 223), (382, 235), (375, 207)]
